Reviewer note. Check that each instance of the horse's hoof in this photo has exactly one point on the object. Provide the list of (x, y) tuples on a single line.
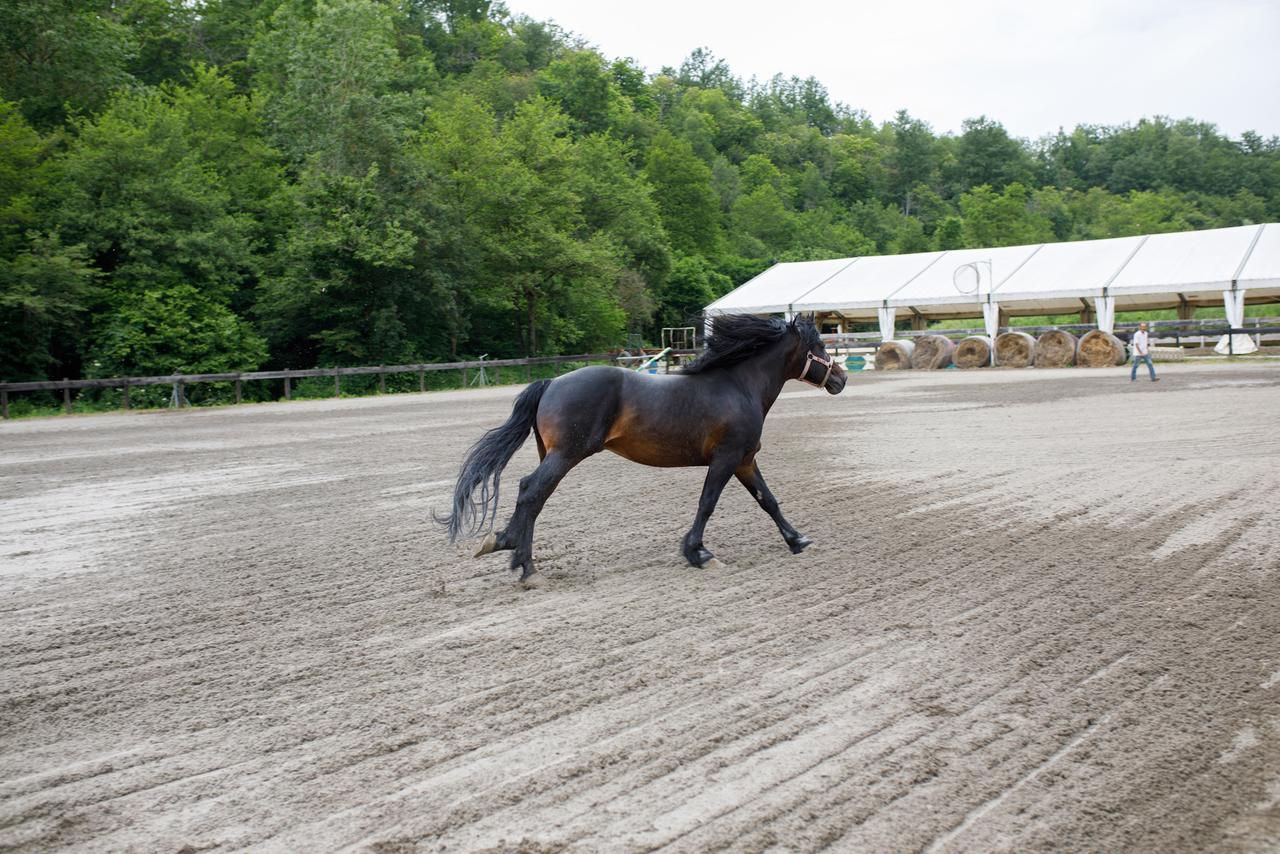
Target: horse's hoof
[(800, 544), (714, 563), (532, 581), (490, 543)]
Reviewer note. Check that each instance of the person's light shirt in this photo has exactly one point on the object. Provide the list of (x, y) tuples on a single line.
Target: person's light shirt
[(1140, 343)]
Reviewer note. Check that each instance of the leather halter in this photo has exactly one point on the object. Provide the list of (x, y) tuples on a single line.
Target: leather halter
[(812, 359)]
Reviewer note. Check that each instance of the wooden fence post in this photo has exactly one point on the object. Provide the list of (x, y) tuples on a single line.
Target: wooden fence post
[(528, 372), (382, 380), (4, 404), (422, 380), (238, 395), (497, 376), (288, 389), (337, 383), (66, 395), (124, 401), (464, 377)]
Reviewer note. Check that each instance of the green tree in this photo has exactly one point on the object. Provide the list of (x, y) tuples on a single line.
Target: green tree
[(336, 91), (986, 154), (1003, 219), (56, 54), (912, 160), (584, 88), (165, 34), (762, 223), (693, 284), (343, 290), (682, 188), (159, 225)]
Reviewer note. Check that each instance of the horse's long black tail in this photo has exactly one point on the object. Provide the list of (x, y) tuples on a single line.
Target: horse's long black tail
[(484, 464)]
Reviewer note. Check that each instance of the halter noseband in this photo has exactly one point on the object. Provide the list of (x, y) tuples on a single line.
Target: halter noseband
[(809, 361)]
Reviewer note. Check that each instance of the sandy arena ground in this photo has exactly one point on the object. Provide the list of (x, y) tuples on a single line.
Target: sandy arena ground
[(1042, 612)]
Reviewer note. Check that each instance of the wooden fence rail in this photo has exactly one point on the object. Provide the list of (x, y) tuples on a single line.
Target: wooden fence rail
[(180, 381)]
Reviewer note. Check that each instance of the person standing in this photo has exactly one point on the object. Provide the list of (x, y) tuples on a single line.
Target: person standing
[(1141, 352)]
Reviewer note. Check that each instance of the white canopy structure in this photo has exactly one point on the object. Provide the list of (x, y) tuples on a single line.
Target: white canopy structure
[(1180, 270)]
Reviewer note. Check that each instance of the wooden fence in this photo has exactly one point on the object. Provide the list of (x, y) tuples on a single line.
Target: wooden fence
[(180, 381)]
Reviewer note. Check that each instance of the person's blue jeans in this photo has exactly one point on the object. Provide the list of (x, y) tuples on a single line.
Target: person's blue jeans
[(1133, 374)]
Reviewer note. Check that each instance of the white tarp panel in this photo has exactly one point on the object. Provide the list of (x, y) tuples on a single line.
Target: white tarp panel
[(867, 283), (1106, 309), (1066, 272), (1261, 273), (885, 316), (1054, 277), (1239, 344), (991, 319), (937, 284), (774, 290), (1185, 262)]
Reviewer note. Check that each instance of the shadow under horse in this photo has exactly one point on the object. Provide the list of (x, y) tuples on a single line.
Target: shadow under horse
[(709, 413)]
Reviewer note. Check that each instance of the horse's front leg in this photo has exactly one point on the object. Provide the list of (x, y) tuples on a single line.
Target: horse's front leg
[(749, 476), (718, 474)]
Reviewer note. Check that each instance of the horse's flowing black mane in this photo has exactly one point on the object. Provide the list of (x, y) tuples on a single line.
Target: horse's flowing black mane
[(735, 337)]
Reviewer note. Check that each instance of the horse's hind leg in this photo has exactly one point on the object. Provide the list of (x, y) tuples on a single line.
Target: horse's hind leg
[(498, 541), (750, 477), (534, 492)]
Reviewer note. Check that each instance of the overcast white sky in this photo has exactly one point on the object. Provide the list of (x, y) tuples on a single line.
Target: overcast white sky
[(1032, 65)]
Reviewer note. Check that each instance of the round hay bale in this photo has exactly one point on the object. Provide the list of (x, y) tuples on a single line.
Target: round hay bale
[(932, 352), (1100, 349), (1015, 350), (973, 352), (1168, 354), (1055, 349), (894, 355)]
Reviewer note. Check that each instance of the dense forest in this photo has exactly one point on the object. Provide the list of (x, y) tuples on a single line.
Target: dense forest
[(237, 184)]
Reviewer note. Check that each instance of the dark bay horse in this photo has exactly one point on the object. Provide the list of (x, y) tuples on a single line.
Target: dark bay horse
[(710, 413)]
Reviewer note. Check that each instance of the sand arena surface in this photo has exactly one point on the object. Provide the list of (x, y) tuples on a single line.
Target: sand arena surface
[(1042, 611)]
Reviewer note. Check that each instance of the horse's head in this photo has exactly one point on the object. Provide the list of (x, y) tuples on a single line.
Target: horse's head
[(808, 358)]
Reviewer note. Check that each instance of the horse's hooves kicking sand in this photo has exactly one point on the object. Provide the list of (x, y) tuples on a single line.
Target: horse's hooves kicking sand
[(710, 413), (533, 582)]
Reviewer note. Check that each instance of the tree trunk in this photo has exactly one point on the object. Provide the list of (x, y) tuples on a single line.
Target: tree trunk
[(531, 303)]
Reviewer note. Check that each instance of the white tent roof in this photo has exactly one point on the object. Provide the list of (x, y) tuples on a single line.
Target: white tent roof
[(937, 285), (863, 284), (1144, 271), (777, 287), (1059, 275), (1187, 262), (1261, 271)]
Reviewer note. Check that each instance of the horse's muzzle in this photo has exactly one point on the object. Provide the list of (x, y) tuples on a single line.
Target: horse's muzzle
[(822, 373), (835, 382)]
